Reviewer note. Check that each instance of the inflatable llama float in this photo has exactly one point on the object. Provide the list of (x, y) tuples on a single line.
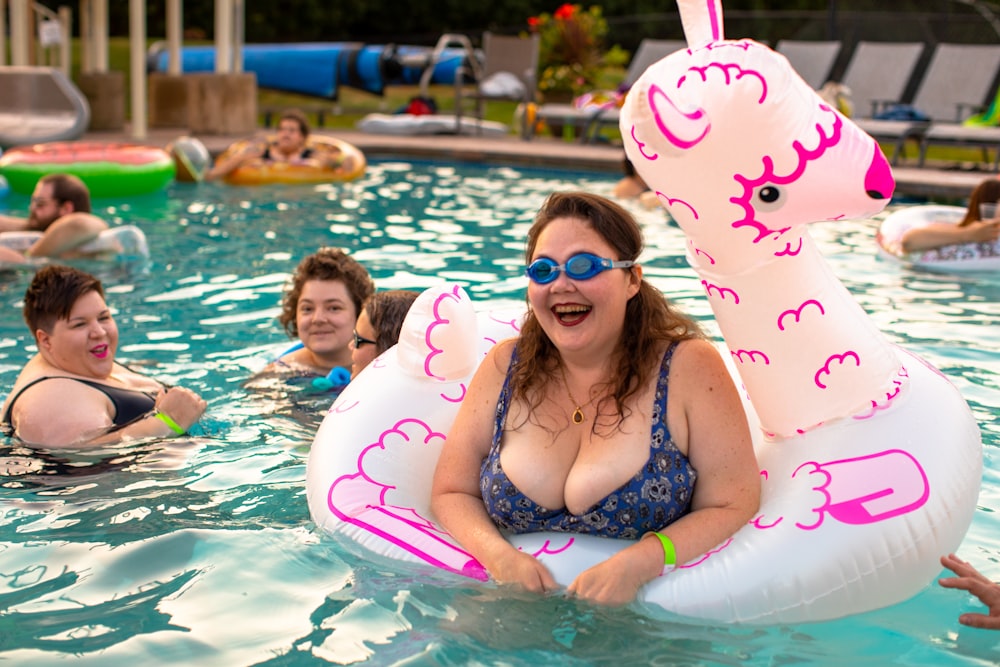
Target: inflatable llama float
[(870, 458)]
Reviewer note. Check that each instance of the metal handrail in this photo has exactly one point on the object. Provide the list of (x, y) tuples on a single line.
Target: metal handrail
[(52, 31)]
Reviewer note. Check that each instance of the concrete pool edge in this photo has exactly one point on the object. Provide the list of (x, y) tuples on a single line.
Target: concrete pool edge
[(918, 182)]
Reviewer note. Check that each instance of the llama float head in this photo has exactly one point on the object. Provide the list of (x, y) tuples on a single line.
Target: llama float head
[(741, 151), (744, 155)]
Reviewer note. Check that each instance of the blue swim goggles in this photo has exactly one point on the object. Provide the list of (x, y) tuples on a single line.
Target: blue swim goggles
[(583, 266)]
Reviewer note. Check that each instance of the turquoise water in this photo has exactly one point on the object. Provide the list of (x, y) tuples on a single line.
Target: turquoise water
[(201, 551)]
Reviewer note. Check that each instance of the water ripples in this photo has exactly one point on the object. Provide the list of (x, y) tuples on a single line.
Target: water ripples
[(201, 550)]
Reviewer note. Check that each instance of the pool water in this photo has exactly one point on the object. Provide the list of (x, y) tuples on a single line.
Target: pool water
[(201, 550)]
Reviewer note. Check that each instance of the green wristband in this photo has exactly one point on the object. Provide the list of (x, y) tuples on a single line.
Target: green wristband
[(174, 426), (669, 554)]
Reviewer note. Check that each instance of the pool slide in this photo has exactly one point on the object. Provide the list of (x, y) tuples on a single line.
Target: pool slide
[(40, 104), (320, 68)]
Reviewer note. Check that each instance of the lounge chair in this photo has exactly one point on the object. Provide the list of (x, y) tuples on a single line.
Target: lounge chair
[(969, 90), (590, 120), (958, 81), (878, 74), (507, 73), (812, 60), (876, 78)]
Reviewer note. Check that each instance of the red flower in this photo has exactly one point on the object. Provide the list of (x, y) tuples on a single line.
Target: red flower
[(565, 12), (533, 22)]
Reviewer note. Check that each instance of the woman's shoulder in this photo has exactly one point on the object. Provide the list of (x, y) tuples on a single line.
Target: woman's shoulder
[(697, 357), (500, 355), (39, 391), (296, 361)]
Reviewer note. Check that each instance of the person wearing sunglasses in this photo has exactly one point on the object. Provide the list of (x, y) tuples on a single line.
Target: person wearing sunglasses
[(378, 326), (321, 308), (610, 415), (60, 209)]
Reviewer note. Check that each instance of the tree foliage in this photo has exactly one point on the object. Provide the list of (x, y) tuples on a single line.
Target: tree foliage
[(423, 21)]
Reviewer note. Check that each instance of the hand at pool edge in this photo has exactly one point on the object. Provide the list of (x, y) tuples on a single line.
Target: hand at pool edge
[(971, 580)]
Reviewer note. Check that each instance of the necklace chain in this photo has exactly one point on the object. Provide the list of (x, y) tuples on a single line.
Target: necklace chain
[(578, 416)]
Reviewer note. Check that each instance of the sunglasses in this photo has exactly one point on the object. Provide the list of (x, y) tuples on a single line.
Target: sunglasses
[(583, 266), (360, 340)]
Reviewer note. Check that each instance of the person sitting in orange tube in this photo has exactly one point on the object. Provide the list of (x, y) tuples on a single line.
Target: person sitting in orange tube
[(291, 144)]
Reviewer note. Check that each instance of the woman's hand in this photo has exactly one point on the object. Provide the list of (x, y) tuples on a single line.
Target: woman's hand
[(617, 580), (971, 580), (524, 570), (984, 231), (182, 405)]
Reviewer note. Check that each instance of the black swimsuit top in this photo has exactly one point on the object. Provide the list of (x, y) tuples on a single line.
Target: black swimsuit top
[(304, 155), (130, 404)]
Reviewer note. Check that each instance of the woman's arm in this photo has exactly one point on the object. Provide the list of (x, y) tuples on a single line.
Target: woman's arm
[(708, 421), (941, 234), (60, 412), (227, 165), (177, 409), (455, 496), (85, 415)]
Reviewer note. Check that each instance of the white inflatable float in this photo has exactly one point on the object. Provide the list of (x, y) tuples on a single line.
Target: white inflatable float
[(958, 257), (126, 240), (430, 124), (870, 459)]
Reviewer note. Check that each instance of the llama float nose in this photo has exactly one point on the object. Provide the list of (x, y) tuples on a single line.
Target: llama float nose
[(879, 183)]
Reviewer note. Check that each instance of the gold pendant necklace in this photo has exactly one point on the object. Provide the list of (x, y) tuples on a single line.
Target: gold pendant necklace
[(578, 416)]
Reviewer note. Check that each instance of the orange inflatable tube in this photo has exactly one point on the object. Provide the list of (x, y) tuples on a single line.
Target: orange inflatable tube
[(350, 164)]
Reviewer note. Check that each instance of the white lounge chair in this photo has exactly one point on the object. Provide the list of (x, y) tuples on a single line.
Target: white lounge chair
[(958, 82), (813, 60)]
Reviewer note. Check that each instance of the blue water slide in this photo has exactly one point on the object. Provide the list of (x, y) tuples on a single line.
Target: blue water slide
[(318, 69)]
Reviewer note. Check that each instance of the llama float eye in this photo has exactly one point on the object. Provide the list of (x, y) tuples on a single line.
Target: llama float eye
[(768, 198)]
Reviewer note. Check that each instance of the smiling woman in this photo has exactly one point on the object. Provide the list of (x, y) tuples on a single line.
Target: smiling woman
[(100, 401), (570, 427), (321, 308)]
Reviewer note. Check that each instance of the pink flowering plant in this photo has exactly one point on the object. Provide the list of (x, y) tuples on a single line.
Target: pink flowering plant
[(571, 41)]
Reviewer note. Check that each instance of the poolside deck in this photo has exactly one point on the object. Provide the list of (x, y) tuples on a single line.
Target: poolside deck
[(923, 182)]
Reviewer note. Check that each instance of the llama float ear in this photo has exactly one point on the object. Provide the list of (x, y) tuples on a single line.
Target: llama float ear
[(702, 21)]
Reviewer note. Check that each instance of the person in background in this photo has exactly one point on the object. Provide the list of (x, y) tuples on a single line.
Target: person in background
[(631, 186), (980, 224), (60, 209), (378, 326), (971, 580), (291, 145), (321, 308), (610, 415), (73, 392)]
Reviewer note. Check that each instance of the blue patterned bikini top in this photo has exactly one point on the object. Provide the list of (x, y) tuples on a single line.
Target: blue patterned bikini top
[(657, 495)]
